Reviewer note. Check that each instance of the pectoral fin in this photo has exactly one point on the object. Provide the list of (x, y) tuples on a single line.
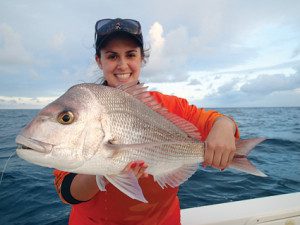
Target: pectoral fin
[(101, 183), (176, 177), (128, 184)]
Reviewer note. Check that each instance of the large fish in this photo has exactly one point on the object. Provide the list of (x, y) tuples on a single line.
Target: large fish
[(94, 129)]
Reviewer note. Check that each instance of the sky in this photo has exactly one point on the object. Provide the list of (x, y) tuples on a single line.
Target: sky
[(214, 53)]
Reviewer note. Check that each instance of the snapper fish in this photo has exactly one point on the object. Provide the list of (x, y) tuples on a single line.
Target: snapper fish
[(97, 130)]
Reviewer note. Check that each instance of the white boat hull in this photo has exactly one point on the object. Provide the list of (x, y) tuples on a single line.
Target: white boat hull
[(274, 210)]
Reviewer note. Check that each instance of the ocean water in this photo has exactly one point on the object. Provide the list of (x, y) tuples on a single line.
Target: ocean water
[(27, 194)]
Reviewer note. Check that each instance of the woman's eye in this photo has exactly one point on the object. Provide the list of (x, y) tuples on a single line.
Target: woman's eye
[(112, 56), (132, 55)]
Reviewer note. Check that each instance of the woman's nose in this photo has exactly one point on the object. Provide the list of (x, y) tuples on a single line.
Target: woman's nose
[(122, 63)]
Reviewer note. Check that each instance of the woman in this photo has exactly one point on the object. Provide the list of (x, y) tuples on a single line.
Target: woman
[(120, 54)]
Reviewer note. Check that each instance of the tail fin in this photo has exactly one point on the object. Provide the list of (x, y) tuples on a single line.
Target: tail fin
[(240, 161)]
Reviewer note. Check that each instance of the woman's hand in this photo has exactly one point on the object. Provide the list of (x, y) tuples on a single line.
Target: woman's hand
[(138, 168), (220, 144)]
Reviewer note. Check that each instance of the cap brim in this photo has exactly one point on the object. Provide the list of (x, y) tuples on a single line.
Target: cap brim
[(106, 37)]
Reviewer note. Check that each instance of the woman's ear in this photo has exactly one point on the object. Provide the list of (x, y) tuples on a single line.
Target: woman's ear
[(98, 60)]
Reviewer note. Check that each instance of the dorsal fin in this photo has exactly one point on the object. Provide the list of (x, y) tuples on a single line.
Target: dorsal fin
[(140, 92)]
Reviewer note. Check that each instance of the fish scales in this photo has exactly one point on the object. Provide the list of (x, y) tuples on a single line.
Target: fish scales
[(151, 127), (133, 122)]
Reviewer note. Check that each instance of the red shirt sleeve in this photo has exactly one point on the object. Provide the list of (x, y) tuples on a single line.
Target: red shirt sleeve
[(201, 118), (59, 177)]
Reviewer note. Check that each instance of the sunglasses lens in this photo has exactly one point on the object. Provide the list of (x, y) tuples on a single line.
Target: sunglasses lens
[(134, 26), (106, 26), (101, 23)]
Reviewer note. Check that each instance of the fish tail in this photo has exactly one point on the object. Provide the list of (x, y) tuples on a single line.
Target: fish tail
[(240, 161)]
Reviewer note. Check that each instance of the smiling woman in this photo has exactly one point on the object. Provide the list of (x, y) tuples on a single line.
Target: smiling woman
[(120, 54)]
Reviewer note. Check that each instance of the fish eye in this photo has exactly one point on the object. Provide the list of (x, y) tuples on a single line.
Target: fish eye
[(65, 118)]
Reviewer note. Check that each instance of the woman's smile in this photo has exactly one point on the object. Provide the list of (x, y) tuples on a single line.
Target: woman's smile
[(120, 61), (122, 76)]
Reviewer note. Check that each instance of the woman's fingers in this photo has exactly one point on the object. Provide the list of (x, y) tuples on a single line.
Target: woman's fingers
[(142, 171), (220, 143), (224, 163), (218, 157), (138, 168)]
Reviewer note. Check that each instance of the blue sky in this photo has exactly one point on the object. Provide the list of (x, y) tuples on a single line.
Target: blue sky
[(214, 53)]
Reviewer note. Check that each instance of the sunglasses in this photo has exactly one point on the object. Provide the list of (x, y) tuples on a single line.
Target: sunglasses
[(107, 26)]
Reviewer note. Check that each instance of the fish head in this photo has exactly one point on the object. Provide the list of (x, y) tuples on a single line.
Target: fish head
[(66, 133)]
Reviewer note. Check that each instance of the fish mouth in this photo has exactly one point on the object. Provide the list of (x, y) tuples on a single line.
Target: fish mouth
[(28, 144), (41, 153)]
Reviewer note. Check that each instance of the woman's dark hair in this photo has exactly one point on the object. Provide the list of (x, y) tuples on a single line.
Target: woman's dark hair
[(123, 35)]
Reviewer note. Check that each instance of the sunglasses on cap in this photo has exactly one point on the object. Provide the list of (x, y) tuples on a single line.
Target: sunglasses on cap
[(105, 27)]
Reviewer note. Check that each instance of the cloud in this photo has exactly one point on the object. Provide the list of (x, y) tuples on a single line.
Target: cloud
[(47, 52), (234, 98), (228, 87), (57, 41), (267, 84), (12, 51), (261, 90), (156, 38), (24, 103), (167, 61), (194, 82), (219, 38), (296, 52)]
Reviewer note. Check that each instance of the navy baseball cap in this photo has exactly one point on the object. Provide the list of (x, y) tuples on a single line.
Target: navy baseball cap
[(106, 27)]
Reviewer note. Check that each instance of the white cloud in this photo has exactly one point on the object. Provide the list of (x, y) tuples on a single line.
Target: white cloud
[(229, 86), (266, 88), (24, 102), (228, 45), (12, 51), (194, 82), (259, 88), (57, 41), (267, 84), (225, 36), (296, 52), (240, 99), (167, 61), (156, 38)]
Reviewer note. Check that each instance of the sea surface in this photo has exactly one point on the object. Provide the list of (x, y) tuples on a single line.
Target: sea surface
[(27, 194)]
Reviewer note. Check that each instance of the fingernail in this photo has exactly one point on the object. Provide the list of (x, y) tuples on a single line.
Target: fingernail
[(141, 164), (204, 166), (222, 170), (133, 165)]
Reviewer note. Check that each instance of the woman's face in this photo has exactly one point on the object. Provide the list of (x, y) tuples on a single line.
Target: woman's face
[(120, 61)]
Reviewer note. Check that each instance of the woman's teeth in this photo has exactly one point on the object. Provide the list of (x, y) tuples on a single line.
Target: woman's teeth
[(123, 76)]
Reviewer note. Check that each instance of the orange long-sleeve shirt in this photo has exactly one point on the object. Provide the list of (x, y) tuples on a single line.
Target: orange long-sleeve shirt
[(113, 207)]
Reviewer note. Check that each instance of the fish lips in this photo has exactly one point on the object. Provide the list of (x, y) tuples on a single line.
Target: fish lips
[(28, 144), (41, 153)]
